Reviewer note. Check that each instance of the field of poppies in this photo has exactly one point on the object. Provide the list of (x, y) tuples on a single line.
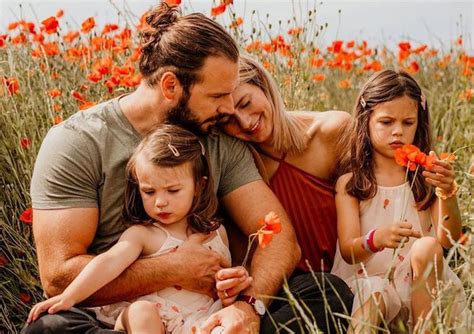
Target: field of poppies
[(50, 70)]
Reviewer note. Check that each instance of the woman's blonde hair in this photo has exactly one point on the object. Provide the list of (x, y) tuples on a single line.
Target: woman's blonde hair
[(288, 131)]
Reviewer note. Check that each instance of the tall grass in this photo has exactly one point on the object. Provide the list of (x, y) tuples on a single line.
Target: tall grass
[(310, 76)]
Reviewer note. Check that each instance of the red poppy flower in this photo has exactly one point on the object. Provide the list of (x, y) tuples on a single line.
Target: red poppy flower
[(336, 46), (25, 298), (271, 222), (95, 76), (86, 105), (27, 216), (71, 36), (87, 25), (54, 93), (386, 202), (3, 261), (132, 80), (319, 77), (108, 28), (237, 22), (264, 238), (218, 10), (173, 2), (50, 25), (60, 13), (414, 67), (78, 96), (404, 46), (410, 156), (57, 119), (25, 142), (3, 39), (12, 85), (13, 25)]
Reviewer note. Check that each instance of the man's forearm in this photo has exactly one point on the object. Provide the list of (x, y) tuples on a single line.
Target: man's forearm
[(141, 277), (272, 264)]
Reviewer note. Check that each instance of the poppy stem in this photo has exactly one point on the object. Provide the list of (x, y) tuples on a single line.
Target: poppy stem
[(249, 246), (405, 206), (404, 191)]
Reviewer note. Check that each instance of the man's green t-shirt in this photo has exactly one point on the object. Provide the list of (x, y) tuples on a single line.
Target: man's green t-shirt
[(81, 164)]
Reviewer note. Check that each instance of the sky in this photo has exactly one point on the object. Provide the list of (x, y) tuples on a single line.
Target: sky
[(437, 23)]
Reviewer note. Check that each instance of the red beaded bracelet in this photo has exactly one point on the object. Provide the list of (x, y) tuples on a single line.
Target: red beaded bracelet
[(370, 242)]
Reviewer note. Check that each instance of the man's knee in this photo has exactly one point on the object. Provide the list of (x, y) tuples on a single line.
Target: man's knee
[(73, 321), (324, 286), (49, 323)]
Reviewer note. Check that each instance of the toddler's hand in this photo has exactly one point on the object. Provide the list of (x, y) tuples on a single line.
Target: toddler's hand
[(391, 236), (230, 282), (441, 175), (52, 305)]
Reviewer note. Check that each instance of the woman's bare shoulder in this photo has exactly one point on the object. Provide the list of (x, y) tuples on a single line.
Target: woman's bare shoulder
[(326, 125)]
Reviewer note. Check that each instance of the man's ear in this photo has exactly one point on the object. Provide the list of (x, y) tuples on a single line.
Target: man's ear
[(170, 86)]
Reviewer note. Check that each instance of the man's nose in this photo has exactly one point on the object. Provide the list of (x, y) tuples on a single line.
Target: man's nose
[(227, 106)]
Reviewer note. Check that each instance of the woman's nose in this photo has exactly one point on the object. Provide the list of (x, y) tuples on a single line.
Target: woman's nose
[(243, 118)]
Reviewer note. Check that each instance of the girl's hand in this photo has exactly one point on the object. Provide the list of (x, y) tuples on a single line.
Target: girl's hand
[(441, 175), (230, 282), (391, 236), (52, 305)]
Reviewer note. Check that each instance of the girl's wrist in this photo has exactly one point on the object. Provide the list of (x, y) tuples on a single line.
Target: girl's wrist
[(369, 242), (445, 194)]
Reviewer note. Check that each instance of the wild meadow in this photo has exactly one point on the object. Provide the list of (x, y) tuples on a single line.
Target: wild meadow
[(50, 69)]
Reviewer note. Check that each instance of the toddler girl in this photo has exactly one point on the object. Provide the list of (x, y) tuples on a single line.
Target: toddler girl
[(169, 197)]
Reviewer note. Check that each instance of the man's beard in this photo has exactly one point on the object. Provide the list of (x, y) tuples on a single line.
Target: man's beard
[(183, 116)]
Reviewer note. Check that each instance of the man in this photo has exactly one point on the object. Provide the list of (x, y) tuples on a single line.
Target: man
[(190, 68)]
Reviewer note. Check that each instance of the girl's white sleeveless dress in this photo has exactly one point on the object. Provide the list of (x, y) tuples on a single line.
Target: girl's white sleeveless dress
[(386, 272), (182, 311)]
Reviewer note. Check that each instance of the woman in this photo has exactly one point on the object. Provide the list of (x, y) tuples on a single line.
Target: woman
[(299, 153)]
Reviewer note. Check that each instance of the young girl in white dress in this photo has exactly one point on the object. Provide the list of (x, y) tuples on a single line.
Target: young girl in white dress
[(169, 198), (392, 261)]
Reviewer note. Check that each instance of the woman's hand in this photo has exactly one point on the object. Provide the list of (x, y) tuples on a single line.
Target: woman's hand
[(52, 305), (441, 175), (230, 282), (391, 236)]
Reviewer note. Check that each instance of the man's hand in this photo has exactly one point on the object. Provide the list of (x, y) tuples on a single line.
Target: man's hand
[(238, 318), (230, 282), (193, 257)]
